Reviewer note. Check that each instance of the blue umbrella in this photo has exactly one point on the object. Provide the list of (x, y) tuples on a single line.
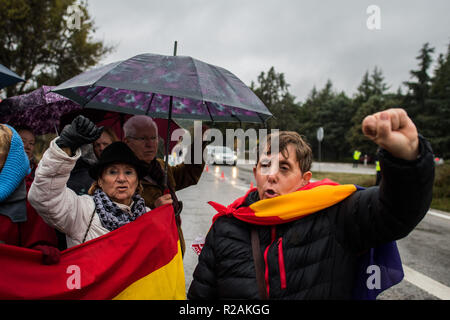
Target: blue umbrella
[(7, 77)]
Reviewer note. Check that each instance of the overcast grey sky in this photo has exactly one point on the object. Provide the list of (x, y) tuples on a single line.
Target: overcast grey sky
[(309, 41)]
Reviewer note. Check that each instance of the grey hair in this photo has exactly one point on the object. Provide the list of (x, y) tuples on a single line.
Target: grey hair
[(129, 128)]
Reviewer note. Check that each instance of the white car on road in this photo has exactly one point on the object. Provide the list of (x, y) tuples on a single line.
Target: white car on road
[(221, 155)]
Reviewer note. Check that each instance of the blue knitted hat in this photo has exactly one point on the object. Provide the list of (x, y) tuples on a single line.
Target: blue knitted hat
[(16, 166)]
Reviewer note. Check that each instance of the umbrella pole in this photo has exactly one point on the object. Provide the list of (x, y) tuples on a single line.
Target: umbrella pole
[(169, 120), (168, 139)]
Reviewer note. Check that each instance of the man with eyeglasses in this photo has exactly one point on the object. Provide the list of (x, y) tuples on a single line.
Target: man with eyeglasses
[(141, 135)]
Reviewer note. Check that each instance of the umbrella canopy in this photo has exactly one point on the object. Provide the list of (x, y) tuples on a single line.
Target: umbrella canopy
[(7, 77), (144, 84), (45, 112), (40, 110)]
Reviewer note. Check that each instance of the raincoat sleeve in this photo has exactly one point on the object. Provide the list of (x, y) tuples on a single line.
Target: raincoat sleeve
[(186, 175), (58, 205), (378, 215)]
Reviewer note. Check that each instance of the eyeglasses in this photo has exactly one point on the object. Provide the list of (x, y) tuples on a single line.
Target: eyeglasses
[(143, 139)]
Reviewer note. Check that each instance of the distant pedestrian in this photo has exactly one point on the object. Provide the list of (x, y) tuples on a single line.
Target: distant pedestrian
[(356, 156), (378, 171), (378, 167)]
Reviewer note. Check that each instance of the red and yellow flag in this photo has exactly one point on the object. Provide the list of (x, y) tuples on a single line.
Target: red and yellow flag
[(140, 260)]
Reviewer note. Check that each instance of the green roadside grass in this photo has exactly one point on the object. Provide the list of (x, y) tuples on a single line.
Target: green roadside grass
[(363, 180), (441, 188)]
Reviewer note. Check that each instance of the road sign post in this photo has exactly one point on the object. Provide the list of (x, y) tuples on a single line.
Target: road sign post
[(320, 134)]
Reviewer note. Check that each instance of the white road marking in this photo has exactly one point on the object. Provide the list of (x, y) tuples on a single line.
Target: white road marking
[(440, 215), (427, 284)]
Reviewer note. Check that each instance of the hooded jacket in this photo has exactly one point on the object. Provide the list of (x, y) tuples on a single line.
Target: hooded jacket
[(315, 256), (20, 225)]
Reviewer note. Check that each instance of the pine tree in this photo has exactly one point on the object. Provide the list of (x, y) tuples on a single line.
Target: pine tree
[(419, 89), (378, 86), (364, 90), (38, 43), (440, 87), (273, 90), (435, 123), (372, 84)]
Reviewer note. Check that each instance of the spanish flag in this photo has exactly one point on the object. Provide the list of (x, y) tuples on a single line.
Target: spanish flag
[(140, 260)]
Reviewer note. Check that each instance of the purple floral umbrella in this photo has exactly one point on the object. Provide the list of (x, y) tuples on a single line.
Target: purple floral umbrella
[(166, 87), (45, 112), (146, 84), (40, 110)]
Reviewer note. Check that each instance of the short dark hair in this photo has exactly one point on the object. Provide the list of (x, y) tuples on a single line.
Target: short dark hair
[(23, 128), (303, 151)]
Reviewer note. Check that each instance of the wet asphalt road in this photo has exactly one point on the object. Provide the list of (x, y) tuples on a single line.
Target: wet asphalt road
[(425, 252)]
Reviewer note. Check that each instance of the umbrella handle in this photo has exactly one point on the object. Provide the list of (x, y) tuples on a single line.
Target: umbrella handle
[(169, 119), (168, 139)]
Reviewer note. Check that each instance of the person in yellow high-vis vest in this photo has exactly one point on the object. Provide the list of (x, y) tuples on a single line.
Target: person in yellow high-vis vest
[(378, 169), (356, 156)]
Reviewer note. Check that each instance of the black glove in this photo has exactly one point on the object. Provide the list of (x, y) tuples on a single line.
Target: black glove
[(80, 132)]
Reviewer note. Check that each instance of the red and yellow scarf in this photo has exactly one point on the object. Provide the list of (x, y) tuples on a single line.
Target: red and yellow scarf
[(307, 200)]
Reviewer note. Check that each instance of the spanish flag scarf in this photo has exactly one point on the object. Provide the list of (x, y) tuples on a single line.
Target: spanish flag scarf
[(307, 200)]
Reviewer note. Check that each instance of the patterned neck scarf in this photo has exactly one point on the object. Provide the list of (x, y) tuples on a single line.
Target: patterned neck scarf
[(111, 216)]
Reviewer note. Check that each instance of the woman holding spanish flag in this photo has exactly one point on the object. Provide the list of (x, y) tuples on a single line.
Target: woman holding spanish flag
[(309, 240)]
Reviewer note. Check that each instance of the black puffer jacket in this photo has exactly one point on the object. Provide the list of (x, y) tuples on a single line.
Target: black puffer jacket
[(315, 257)]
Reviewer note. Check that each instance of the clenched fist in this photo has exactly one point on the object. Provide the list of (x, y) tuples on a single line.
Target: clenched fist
[(394, 131), (81, 131)]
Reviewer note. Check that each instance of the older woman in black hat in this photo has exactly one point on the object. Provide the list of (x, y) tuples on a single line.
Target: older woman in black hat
[(113, 199)]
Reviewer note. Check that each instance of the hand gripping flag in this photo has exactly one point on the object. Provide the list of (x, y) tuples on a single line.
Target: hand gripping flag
[(308, 200), (140, 260)]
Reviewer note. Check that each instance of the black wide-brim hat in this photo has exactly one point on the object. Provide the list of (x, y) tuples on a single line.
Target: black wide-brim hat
[(118, 153)]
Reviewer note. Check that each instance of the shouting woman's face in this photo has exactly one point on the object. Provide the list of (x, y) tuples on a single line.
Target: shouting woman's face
[(119, 182)]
